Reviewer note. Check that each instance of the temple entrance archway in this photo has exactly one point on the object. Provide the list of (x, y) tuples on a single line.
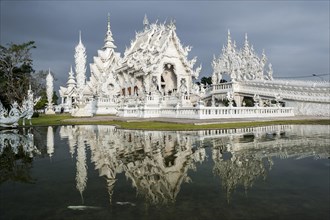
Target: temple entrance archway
[(168, 79)]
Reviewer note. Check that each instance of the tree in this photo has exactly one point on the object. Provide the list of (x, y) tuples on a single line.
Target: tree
[(43, 101), (206, 80), (15, 71), (38, 82)]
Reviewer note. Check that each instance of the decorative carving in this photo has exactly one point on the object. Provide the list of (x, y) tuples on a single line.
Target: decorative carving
[(239, 65), (183, 86), (256, 99), (154, 84), (278, 98), (80, 61), (50, 92), (230, 98)]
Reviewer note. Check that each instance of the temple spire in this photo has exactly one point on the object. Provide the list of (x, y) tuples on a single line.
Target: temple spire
[(80, 61), (228, 37), (145, 21), (71, 79), (108, 41), (246, 43), (80, 37), (229, 43), (109, 31), (246, 47)]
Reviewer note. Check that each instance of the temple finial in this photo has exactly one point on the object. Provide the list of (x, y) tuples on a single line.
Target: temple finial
[(79, 36), (108, 41), (109, 22), (228, 39), (246, 44), (145, 21)]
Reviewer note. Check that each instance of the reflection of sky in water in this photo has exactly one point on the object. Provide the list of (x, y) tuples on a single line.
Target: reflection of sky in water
[(103, 172)]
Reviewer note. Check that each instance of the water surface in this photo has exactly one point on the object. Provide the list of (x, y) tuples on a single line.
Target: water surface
[(100, 172)]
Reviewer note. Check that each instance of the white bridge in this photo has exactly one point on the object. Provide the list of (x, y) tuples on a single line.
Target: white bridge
[(307, 97)]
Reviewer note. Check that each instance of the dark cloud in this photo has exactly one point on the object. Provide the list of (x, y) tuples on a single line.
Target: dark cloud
[(294, 34)]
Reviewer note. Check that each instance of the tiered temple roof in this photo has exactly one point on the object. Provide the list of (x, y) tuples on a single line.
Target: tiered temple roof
[(103, 82)]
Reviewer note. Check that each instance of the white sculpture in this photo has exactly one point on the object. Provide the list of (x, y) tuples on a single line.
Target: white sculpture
[(256, 99), (50, 92), (230, 98), (10, 119), (3, 111), (28, 106), (278, 98), (16, 112)]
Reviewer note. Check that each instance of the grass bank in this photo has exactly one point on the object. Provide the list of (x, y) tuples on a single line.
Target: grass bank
[(45, 120)]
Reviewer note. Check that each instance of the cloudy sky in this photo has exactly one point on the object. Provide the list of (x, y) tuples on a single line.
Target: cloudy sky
[(294, 34)]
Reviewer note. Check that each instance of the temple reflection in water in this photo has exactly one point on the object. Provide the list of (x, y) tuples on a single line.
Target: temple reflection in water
[(157, 163)]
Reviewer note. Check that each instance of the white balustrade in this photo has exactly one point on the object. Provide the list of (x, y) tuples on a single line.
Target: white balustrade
[(306, 91), (206, 112)]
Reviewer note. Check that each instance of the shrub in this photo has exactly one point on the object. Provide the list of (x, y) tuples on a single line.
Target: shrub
[(35, 115)]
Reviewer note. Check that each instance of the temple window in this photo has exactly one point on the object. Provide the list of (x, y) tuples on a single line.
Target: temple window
[(136, 90)]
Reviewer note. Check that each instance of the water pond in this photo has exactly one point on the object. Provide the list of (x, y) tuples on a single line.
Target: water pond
[(100, 172)]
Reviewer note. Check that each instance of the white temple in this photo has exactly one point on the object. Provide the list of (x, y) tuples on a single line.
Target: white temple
[(155, 78)]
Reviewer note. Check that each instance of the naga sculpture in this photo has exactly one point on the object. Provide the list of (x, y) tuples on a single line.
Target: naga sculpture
[(17, 112), (10, 119), (28, 105)]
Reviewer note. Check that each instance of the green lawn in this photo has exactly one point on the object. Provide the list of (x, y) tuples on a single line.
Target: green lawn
[(45, 120)]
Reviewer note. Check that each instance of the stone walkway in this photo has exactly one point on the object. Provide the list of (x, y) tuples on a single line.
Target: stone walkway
[(191, 121)]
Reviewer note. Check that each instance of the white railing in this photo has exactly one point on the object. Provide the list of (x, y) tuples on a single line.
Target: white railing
[(222, 86), (308, 91), (206, 112)]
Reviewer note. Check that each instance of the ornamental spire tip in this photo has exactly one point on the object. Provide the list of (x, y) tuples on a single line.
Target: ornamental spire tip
[(145, 21), (109, 22), (79, 36)]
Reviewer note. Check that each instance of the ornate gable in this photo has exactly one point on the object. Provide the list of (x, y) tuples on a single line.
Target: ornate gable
[(149, 48)]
